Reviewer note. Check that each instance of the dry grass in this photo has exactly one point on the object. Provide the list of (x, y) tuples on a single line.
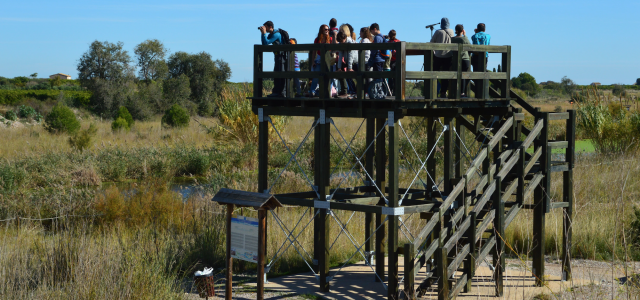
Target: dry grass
[(33, 140)]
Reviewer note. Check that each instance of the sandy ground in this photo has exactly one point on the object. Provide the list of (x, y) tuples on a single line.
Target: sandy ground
[(591, 280)]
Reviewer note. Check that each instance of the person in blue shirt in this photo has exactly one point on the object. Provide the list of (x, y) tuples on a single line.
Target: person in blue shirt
[(273, 37), (376, 60), (480, 38)]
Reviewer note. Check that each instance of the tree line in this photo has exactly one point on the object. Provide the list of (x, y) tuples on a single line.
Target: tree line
[(192, 81)]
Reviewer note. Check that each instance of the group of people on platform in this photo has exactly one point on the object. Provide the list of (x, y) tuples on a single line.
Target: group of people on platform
[(375, 60)]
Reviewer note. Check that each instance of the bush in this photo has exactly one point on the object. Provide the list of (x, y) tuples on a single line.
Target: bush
[(29, 112), (123, 113), (120, 124), (82, 140), (61, 119), (12, 97), (176, 116), (11, 115)]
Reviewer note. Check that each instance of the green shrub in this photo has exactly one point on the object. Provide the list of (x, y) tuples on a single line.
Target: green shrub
[(82, 140), (11, 115), (176, 116), (123, 113), (12, 97), (61, 119), (119, 124), (29, 112)]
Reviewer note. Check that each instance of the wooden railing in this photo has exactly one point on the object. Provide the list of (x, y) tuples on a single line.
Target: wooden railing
[(400, 74)]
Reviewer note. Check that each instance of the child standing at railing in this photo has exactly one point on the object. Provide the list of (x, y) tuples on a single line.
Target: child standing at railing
[(461, 38)]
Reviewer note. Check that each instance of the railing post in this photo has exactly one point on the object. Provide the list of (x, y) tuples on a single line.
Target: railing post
[(459, 63), (400, 76), (484, 83), (506, 68), (470, 262), (409, 272), (290, 68), (361, 78), (257, 71), (442, 274), (430, 85), (229, 260), (323, 78), (498, 225)]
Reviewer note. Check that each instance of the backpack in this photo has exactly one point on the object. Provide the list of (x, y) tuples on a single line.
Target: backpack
[(284, 35), (377, 89)]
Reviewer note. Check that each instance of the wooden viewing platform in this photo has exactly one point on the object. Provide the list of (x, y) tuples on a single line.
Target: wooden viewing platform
[(466, 214)]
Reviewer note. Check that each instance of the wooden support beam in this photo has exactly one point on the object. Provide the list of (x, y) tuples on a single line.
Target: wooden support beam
[(369, 223), (567, 195), (257, 70), (449, 137), (498, 251), (409, 272), (381, 162), (443, 276), (470, 262), (229, 260), (431, 143), (392, 259), (321, 222), (262, 244)]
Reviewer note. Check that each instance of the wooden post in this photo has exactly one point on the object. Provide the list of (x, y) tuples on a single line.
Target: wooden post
[(409, 272), (369, 223), (262, 223), (448, 155), (470, 262), (323, 79), (430, 85), (567, 191), (431, 143), (257, 71), (392, 264), (323, 189), (459, 79), (442, 274), (401, 64), (360, 88), (545, 161), (506, 67), (263, 163), (459, 151), (485, 82), (498, 225), (229, 273), (539, 216), (381, 162)]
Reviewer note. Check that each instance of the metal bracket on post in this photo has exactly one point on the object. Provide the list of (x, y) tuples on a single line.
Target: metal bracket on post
[(393, 211), (390, 119), (322, 119), (260, 115), (321, 204)]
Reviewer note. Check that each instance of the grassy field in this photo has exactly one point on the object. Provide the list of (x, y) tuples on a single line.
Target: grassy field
[(67, 232)]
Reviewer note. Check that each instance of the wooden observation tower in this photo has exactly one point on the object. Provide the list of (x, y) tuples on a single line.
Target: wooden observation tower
[(466, 206)]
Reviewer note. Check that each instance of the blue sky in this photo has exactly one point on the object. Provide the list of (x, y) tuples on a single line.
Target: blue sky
[(585, 40)]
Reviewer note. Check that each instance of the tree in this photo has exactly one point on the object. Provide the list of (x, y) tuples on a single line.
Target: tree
[(526, 82), (206, 77), (568, 86), (176, 91), (104, 60), (34, 75), (150, 55), (619, 90)]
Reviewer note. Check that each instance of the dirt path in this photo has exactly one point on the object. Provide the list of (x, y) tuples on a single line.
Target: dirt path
[(591, 280)]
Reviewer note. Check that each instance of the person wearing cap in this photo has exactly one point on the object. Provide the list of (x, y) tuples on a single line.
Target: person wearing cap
[(442, 58)]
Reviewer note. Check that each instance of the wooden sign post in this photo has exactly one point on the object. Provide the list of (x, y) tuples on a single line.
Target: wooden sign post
[(262, 203)]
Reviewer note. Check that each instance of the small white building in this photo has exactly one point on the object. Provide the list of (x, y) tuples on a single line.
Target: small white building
[(60, 75)]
